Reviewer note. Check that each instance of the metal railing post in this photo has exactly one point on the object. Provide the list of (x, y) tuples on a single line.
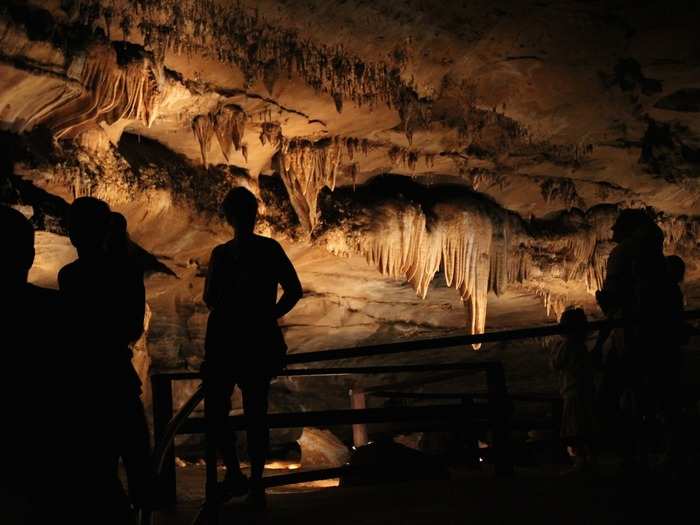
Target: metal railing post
[(359, 430), (161, 388)]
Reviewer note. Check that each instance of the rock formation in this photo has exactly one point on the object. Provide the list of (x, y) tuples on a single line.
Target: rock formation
[(488, 145)]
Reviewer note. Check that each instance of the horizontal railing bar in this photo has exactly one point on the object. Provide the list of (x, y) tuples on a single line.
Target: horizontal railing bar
[(196, 425), (393, 369), (357, 370), (427, 344), (534, 397), (458, 340), (305, 476)]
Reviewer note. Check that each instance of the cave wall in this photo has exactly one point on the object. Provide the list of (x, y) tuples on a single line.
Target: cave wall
[(430, 167)]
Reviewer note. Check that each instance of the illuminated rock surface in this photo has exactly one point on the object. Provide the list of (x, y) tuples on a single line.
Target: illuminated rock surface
[(430, 168)]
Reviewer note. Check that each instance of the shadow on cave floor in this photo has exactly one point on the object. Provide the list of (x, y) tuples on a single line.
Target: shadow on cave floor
[(534, 495)]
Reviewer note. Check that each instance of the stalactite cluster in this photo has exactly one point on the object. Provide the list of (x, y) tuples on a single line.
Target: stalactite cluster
[(401, 245), (112, 92), (271, 133), (227, 124), (307, 167), (237, 35), (562, 189), (466, 236)]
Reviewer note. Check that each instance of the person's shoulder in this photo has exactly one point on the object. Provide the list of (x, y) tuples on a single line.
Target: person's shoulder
[(267, 242), (222, 248), (45, 296), (269, 245), (70, 267), (68, 271)]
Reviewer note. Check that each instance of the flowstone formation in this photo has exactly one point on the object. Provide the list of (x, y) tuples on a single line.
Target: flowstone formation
[(473, 153)]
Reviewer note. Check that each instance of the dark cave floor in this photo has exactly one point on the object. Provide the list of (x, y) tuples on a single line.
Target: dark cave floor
[(545, 494)]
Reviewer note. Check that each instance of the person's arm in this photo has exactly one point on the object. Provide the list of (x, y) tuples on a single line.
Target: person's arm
[(291, 286), (211, 283), (136, 305), (63, 279)]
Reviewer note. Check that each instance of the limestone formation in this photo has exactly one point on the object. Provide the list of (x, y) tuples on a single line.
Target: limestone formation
[(470, 155)]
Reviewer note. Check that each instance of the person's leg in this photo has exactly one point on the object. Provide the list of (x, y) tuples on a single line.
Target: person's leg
[(136, 451), (218, 395), (255, 405)]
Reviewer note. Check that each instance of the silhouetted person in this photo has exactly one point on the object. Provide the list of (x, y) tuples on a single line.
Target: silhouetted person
[(107, 302), (668, 381), (572, 360), (244, 345), (40, 443), (635, 289)]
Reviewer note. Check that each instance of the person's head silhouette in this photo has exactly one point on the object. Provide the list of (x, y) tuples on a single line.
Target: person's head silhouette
[(629, 222), (18, 246), (88, 224), (241, 210), (574, 319)]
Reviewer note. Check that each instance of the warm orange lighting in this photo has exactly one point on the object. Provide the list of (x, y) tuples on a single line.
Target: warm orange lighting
[(282, 465)]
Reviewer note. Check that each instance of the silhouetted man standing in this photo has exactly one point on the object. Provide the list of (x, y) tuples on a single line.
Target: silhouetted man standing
[(244, 344), (107, 302)]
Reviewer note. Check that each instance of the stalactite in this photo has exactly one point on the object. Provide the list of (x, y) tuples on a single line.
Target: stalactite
[(364, 144), (406, 158), (353, 171), (499, 266), (554, 304), (306, 167), (562, 189), (519, 265), (203, 130), (112, 92), (399, 240), (229, 126), (271, 132)]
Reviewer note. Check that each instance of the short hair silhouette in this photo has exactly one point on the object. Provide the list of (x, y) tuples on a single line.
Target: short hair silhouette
[(18, 243), (241, 208), (88, 222), (574, 318), (676, 268), (629, 221)]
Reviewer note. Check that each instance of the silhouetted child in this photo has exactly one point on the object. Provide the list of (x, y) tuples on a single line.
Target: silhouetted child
[(244, 345), (572, 360)]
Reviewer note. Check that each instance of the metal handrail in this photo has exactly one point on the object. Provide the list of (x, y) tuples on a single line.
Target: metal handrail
[(176, 423), (461, 340), (180, 418)]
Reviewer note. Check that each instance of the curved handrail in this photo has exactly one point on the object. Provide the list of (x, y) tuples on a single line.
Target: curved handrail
[(161, 449)]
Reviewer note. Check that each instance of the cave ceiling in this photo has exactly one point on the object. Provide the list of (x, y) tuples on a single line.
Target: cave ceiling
[(488, 143)]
